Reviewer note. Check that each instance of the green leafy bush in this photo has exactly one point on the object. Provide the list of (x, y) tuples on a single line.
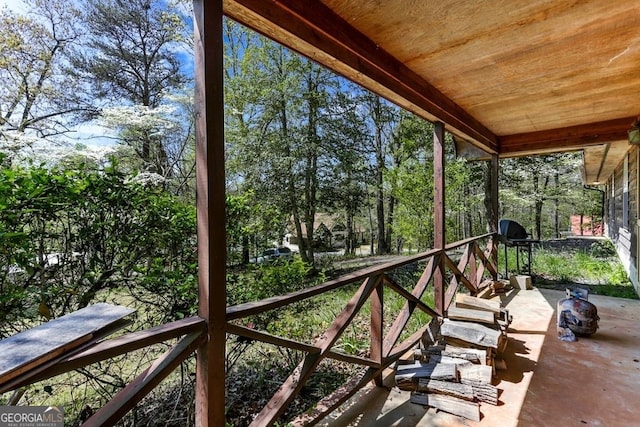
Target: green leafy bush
[(68, 235)]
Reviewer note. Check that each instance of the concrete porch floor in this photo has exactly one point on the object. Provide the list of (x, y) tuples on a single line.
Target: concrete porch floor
[(592, 382)]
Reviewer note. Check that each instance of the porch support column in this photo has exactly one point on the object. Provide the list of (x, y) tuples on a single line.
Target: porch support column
[(495, 170), (438, 214), (210, 188), (493, 223), (377, 327)]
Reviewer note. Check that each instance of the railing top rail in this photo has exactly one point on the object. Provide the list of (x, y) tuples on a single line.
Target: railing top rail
[(467, 241)]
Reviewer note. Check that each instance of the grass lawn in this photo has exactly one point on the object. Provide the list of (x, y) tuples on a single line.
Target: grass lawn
[(577, 263)]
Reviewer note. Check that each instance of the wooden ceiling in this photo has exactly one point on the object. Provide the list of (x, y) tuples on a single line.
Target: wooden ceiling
[(513, 77)]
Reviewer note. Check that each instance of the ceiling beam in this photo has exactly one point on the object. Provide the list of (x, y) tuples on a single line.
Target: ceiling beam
[(565, 139), (314, 30)]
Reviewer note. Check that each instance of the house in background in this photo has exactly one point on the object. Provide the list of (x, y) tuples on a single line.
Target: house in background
[(330, 232), (585, 225)]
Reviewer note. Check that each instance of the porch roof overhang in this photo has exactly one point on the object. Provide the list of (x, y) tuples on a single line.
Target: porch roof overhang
[(512, 77)]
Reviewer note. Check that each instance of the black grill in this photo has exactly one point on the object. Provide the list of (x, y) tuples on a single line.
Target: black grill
[(510, 233)]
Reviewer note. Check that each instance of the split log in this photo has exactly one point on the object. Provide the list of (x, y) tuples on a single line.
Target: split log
[(435, 371), (497, 285), (471, 333), (480, 373), (474, 355), (485, 283), (407, 384), (435, 349), (467, 390), (461, 391), (500, 288), (407, 376), (521, 282), (485, 289), (437, 358), (485, 293), (470, 315), (467, 301), (462, 343), (481, 391), (455, 406)]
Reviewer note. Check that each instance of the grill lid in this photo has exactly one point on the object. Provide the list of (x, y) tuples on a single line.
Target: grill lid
[(511, 229)]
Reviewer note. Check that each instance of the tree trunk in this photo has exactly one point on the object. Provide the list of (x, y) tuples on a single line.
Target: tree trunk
[(245, 249), (537, 206), (371, 233), (311, 166), (380, 165), (291, 189), (381, 249), (487, 198), (539, 202), (349, 244), (389, 233)]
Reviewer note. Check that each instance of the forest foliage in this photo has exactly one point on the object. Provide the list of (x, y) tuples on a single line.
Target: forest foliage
[(300, 141)]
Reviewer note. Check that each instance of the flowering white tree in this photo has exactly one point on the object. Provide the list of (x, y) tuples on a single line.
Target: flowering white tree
[(27, 148), (60, 65), (171, 156), (131, 55)]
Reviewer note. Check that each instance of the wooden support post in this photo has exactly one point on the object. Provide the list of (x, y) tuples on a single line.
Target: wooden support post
[(210, 188), (438, 214), (495, 171), (377, 310)]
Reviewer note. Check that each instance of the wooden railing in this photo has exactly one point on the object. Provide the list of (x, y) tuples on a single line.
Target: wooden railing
[(473, 265)]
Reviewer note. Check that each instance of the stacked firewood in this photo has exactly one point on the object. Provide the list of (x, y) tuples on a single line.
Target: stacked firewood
[(454, 366)]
